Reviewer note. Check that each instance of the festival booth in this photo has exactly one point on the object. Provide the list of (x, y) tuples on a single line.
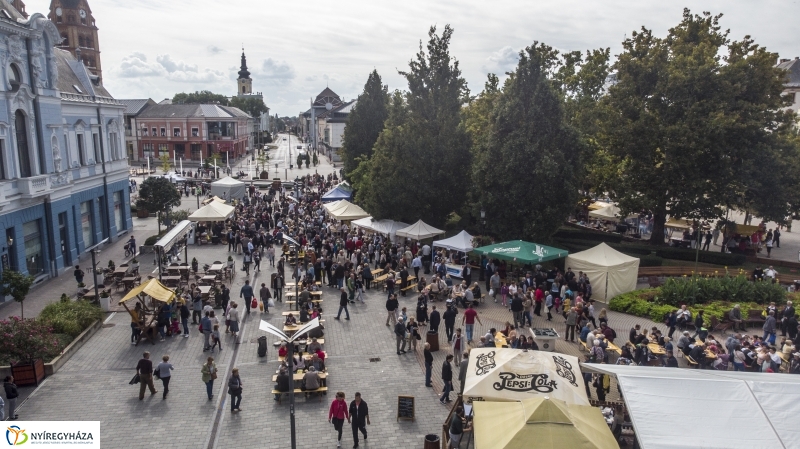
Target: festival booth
[(609, 213), (419, 231), (503, 374), (178, 238), (215, 198), (385, 227), (347, 211), (724, 409), (610, 272), (330, 206), (461, 242), (340, 192), (151, 295), (228, 188), (540, 422), (213, 211), (598, 205), (526, 253)]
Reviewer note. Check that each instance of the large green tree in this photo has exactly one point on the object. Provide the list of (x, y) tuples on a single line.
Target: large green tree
[(158, 195), (688, 114), (365, 122), (252, 105), (200, 97), (426, 146), (526, 170)]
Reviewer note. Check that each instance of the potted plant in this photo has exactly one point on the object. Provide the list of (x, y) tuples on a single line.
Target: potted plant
[(105, 301), (25, 344), (64, 297), (194, 264), (135, 263), (230, 261)]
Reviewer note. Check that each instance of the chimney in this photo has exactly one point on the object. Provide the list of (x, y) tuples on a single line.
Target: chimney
[(783, 60), (78, 53)]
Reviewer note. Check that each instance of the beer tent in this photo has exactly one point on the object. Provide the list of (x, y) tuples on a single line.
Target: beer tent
[(610, 272), (228, 188), (213, 211), (609, 213), (504, 374), (522, 252), (347, 211), (540, 422), (419, 231), (385, 227), (459, 242)]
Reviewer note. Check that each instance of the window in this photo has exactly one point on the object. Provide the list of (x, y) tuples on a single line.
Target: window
[(147, 150), (2, 159), (96, 147), (86, 223), (155, 132), (144, 132), (33, 248), (58, 19), (63, 236), (82, 149), (197, 152), (22, 145), (83, 20), (195, 132), (176, 132), (64, 38), (180, 150), (163, 132), (14, 77), (120, 225), (81, 41), (71, 18), (163, 148)]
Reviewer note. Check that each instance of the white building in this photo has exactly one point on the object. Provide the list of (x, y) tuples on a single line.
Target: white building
[(792, 85)]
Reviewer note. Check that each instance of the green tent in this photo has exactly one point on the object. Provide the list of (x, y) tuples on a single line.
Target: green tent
[(522, 252)]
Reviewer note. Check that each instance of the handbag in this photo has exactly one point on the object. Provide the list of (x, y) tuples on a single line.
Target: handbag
[(254, 303), (261, 306), (136, 379), (157, 374)]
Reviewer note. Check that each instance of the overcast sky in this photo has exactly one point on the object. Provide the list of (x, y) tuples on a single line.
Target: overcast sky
[(155, 48)]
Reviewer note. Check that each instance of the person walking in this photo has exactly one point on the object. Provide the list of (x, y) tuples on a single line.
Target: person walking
[(391, 307), (459, 345), (265, 296), (11, 394), (185, 314), (209, 372), (206, 326), (359, 415), (447, 378), (163, 369), (136, 316), (235, 390), (450, 320), (337, 414), (400, 335), (343, 304), (78, 273), (233, 319), (470, 315), (247, 293), (277, 287), (428, 364), (145, 370), (462, 371), (572, 319)]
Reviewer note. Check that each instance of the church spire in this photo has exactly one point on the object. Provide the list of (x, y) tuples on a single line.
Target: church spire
[(243, 72)]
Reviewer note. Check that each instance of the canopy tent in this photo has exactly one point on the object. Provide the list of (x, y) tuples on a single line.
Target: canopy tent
[(213, 211), (459, 242), (339, 192), (386, 227), (521, 251), (175, 235), (152, 288), (743, 229), (347, 211), (540, 422), (598, 205), (503, 374), (609, 213), (215, 198), (610, 272), (228, 188), (661, 400), (330, 206), (678, 223), (419, 231)]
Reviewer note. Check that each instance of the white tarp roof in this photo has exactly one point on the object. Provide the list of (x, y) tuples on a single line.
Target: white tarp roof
[(610, 272), (213, 211), (174, 235), (419, 231), (502, 374), (677, 408), (459, 242), (346, 211), (609, 213), (386, 227), (228, 188)]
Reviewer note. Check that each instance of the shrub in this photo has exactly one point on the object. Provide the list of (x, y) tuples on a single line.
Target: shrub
[(705, 289), (71, 317), (636, 303), (649, 261), (24, 340)]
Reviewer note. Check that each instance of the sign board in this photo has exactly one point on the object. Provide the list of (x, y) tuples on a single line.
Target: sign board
[(405, 407)]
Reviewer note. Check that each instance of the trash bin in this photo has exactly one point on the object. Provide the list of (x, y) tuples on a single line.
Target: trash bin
[(432, 441), (545, 339), (433, 340), (262, 346)]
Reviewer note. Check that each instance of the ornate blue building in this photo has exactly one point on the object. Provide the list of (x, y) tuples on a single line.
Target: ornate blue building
[(63, 169)]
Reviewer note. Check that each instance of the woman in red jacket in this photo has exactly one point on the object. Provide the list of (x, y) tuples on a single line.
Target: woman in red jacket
[(337, 415)]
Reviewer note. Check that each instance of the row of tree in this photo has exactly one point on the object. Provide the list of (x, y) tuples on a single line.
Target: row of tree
[(688, 125), (250, 104)]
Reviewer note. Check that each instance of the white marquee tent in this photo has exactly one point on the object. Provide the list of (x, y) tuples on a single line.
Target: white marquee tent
[(609, 213), (213, 211), (386, 227), (610, 272), (347, 211), (228, 188), (419, 231), (723, 409), (459, 242)]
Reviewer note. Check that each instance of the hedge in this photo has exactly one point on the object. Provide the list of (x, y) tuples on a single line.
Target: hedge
[(706, 289), (70, 317)]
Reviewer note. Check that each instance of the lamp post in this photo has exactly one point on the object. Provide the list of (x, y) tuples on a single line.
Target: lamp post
[(94, 250), (481, 276)]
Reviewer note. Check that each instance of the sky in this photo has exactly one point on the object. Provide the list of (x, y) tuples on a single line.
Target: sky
[(156, 48)]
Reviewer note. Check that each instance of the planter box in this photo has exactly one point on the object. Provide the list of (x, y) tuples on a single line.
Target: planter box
[(141, 213), (30, 373)]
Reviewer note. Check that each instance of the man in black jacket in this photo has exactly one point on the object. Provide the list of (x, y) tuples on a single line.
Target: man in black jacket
[(434, 319), (447, 378), (428, 364), (400, 335), (391, 308), (359, 413), (343, 304), (450, 321), (11, 394)]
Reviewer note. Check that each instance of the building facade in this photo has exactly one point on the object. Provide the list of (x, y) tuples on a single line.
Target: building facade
[(76, 26), (791, 87), (63, 171), (132, 110), (312, 122)]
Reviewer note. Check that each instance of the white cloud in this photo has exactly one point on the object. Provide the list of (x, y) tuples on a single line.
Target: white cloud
[(280, 72), (213, 49), (501, 61), (136, 65)]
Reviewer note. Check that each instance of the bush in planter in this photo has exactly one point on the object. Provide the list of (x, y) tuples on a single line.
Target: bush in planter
[(72, 317), (150, 241), (705, 289), (27, 340)]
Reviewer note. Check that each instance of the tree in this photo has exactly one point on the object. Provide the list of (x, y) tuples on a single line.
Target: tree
[(365, 121), (526, 169), (254, 106), (689, 113), (423, 145), (166, 165), (158, 195), (16, 285), (201, 97)]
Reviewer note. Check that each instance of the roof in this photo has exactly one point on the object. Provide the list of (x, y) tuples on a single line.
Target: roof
[(191, 111), (213, 110), (134, 107), (345, 108), (236, 112), (12, 11), (793, 67), (72, 73)]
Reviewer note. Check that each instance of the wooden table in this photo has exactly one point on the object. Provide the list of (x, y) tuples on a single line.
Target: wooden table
[(120, 272), (292, 284), (313, 294), (216, 268), (170, 281), (129, 282), (205, 290), (299, 376), (209, 278), (500, 340), (376, 272), (305, 357), (613, 347), (656, 349)]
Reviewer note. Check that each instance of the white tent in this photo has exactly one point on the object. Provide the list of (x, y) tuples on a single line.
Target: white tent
[(610, 272), (419, 231), (459, 242), (213, 211), (228, 188), (677, 408), (333, 205), (609, 213), (502, 374), (386, 227), (346, 211)]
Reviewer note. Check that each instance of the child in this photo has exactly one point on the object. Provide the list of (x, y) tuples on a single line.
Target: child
[(175, 327), (215, 340), (503, 292)]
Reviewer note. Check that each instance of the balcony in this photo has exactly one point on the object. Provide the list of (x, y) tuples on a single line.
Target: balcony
[(34, 186)]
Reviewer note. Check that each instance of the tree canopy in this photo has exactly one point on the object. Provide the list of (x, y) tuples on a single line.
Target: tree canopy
[(365, 122), (158, 195), (254, 106), (201, 97)]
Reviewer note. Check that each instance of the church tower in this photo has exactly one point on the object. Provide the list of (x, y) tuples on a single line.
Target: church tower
[(245, 84), (75, 22)]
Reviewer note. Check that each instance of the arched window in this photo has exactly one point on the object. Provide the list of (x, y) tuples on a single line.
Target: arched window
[(243, 89), (22, 145), (14, 77), (81, 41)]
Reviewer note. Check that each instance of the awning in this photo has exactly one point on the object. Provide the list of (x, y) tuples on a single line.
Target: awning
[(521, 251), (213, 211), (346, 211), (153, 289), (216, 198), (609, 213), (598, 205), (339, 192), (386, 227), (459, 242), (419, 231), (175, 235), (723, 409)]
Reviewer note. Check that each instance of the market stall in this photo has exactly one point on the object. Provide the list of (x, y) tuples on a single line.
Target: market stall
[(522, 252), (419, 231), (213, 211), (347, 211), (610, 272), (228, 188), (385, 227), (462, 243), (143, 303), (340, 192)]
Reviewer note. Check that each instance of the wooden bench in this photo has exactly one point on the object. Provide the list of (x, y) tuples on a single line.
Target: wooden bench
[(410, 287), (280, 394), (691, 362), (754, 317), (718, 326), (315, 301)]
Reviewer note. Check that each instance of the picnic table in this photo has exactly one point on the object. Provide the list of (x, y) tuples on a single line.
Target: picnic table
[(292, 294), (613, 347), (500, 340), (299, 376), (209, 278), (377, 271), (383, 278), (205, 290), (216, 268), (292, 284), (129, 282), (171, 281), (656, 349)]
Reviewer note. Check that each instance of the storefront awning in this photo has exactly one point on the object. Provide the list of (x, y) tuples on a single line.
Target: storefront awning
[(175, 235)]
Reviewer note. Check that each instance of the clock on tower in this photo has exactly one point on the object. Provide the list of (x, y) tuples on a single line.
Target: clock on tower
[(76, 24)]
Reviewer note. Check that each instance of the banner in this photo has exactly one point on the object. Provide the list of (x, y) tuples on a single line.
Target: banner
[(52, 434)]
